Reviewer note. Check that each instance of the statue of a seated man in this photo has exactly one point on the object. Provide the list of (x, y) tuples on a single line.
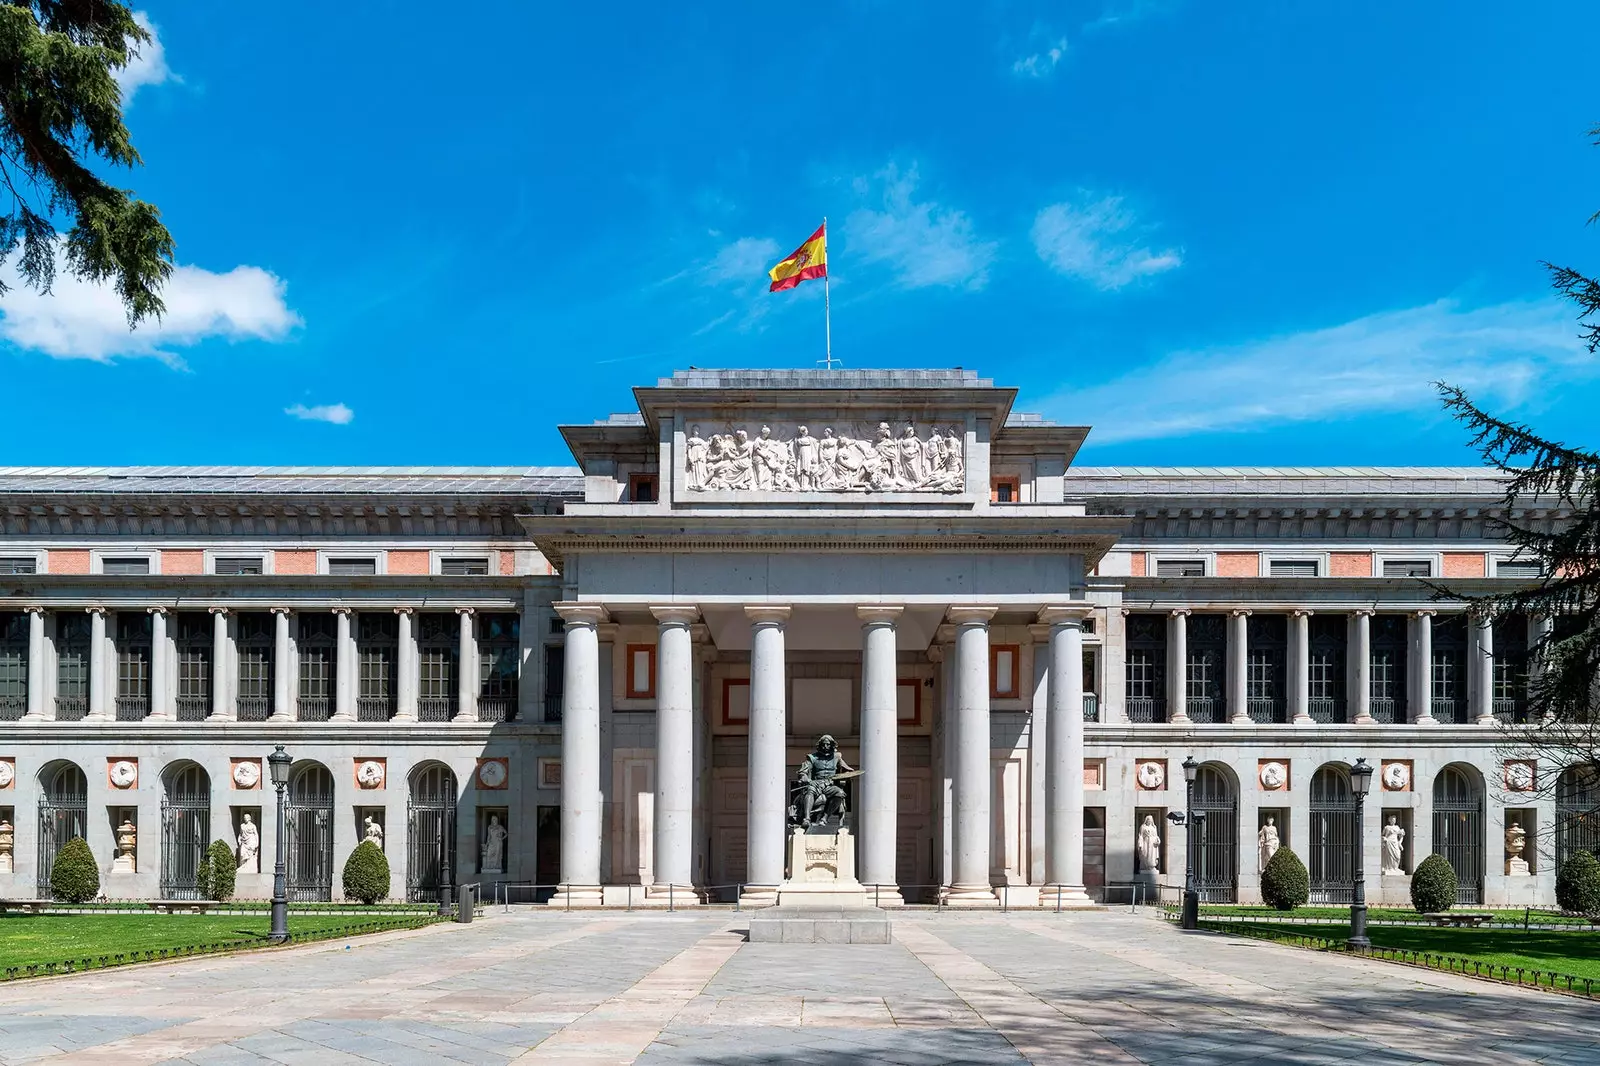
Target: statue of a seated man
[(818, 796)]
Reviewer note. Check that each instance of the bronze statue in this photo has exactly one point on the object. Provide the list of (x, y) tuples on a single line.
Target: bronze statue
[(818, 796)]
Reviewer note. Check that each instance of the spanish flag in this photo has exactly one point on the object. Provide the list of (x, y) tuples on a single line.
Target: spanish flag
[(808, 261)]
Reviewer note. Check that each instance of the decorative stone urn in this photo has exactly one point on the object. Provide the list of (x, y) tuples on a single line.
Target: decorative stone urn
[(8, 844), (127, 847)]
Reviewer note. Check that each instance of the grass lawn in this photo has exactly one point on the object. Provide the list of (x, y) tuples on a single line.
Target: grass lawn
[(36, 939), (1390, 914), (1568, 953)]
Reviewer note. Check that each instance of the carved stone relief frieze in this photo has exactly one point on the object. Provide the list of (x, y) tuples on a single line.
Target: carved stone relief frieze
[(854, 457)]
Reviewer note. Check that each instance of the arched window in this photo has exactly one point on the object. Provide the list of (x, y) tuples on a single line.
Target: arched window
[(308, 818), (185, 829), (63, 814), (1577, 812), (1216, 835), (1458, 828), (1333, 834), (430, 831)]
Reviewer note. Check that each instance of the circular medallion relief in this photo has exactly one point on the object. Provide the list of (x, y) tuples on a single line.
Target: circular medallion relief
[(1274, 775), (1151, 775), (1396, 776), (370, 774), (492, 774), (1519, 776), (7, 775), (123, 774), (247, 774)]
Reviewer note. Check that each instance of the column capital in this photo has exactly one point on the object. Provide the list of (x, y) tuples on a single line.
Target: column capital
[(97, 608), (159, 609), (1302, 612), (767, 613), (1038, 632), (1241, 612), (966, 615), (1180, 612), (217, 610), (583, 614), (876, 613), (1368, 611), (285, 611), (676, 614), (1427, 613), (397, 610), (342, 610), (1068, 614), (33, 608), (466, 610)]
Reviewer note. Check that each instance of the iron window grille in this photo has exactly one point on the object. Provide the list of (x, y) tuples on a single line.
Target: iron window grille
[(1458, 830), (377, 644), (1205, 677), (72, 666), (318, 648), (363, 567), (239, 566), (555, 674), (1448, 676), (194, 667), (1145, 669), (1407, 568), (255, 644), (499, 656), (13, 666), (464, 566), (126, 567), (1266, 638), (1577, 812), (133, 666), (1292, 568), (1519, 570), (1387, 678), (1180, 568), (438, 649), (1325, 669), (12, 565)]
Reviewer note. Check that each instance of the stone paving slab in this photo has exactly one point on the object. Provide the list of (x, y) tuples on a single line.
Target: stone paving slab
[(534, 987)]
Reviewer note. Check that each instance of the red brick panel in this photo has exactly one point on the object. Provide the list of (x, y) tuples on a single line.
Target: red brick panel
[(1137, 564), (294, 562), (508, 562), (1350, 564), (1465, 564), (68, 561), (1238, 564), (183, 562), (408, 562)]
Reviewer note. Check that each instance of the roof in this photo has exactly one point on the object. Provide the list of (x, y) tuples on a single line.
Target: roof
[(696, 378), (1362, 481), (295, 480)]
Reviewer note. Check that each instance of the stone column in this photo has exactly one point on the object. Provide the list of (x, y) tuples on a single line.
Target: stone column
[(580, 758), (222, 704), (161, 703), (1178, 666), (1422, 668), (1540, 630), (1483, 671), (970, 885), (1361, 697), (283, 668), (880, 753), (345, 680), (467, 670), (1300, 666), (674, 813), (100, 699), (1239, 667), (405, 706), (767, 793), (1064, 761), (36, 662)]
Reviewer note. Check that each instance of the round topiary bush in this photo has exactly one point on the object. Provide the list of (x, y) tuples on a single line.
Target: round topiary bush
[(74, 878), (366, 873), (224, 871), (1284, 882), (1434, 885), (1578, 884)]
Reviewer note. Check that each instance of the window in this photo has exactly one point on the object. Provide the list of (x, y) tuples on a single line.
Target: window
[(72, 666), (377, 645), (1005, 488), (499, 655), (464, 566), (642, 488), (1180, 568), (1520, 569), (555, 672), (194, 645), (352, 567), (257, 634), (128, 566), (133, 666), (26, 564), (318, 665), (238, 566), (1004, 660), (1293, 568), (13, 666), (641, 671), (1407, 568), (438, 649)]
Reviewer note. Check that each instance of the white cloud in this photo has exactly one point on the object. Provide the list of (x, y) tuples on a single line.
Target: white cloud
[(148, 67), (337, 414), (744, 260), (1043, 62), (1382, 363), (926, 243), (1100, 242), (80, 319)]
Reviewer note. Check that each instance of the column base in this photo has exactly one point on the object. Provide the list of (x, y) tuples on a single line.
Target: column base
[(1180, 719), (33, 718), (1365, 719), (1066, 897), (1304, 719), (1486, 719), (971, 897), (1239, 719), (1426, 719), (885, 895), (758, 896), (573, 896)]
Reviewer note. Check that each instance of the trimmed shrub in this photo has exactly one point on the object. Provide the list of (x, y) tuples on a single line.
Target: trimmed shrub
[(1434, 885), (1285, 883), (75, 878), (366, 873), (1578, 884), (224, 871), (202, 875)]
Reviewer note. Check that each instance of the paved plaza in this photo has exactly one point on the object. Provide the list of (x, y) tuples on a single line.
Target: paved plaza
[(539, 987)]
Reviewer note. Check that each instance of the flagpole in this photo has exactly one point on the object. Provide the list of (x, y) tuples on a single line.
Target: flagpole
[(827, 308)]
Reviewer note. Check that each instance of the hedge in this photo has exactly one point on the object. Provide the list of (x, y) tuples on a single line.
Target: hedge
[(1284, 882), (366, 873), (75, 877), (1578, 884), (1434, 885)]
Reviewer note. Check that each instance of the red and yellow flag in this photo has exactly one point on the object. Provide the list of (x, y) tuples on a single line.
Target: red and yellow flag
[(808, 261)]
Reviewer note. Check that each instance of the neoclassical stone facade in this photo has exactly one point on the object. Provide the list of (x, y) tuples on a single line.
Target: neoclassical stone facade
[(591, 685)]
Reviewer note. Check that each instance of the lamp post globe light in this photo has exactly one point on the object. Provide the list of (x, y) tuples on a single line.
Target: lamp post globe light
[(1360, 782), (1191, 894), (278, 764)]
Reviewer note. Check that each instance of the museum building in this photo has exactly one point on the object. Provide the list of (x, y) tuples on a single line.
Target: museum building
[(591, 685)]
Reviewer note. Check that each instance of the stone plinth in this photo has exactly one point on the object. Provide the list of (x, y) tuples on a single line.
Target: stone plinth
[(819, 925), (822, 872)]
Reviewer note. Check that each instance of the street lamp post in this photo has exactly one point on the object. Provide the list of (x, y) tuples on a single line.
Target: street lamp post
[(1191, 894), (1360, 782), (278, 763), (446, 846)]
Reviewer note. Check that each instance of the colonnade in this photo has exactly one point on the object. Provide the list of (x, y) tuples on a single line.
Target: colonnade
[(968, 758)]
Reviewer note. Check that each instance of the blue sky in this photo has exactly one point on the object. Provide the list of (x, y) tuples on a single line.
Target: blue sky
[(1218, 233)]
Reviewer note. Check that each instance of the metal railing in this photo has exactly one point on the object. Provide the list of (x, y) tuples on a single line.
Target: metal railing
[(1207, 709), (132, 708), (671, 898), (1147, 710), (193, 708), (1514, 710), (497, 708), (1091, 707), (374, 708), (252, 708), (553, 707), (72, 708), (436, 708), (1448, 710), (13, 707), (1387, 711), (1326, 709), (1268, 710), (313, 709)]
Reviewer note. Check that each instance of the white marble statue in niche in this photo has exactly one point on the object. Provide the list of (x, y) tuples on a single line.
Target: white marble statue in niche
[(1267, 842), (373, 832), (494, 846), (1394, 847), (249, 843), (852, 459), (1149, 846)]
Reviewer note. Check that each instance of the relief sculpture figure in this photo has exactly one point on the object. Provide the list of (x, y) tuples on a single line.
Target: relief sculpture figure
[(842, 459)]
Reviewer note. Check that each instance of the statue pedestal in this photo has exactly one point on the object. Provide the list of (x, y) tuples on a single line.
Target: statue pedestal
[(822, 872), (1517, 868), (122, 864)]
